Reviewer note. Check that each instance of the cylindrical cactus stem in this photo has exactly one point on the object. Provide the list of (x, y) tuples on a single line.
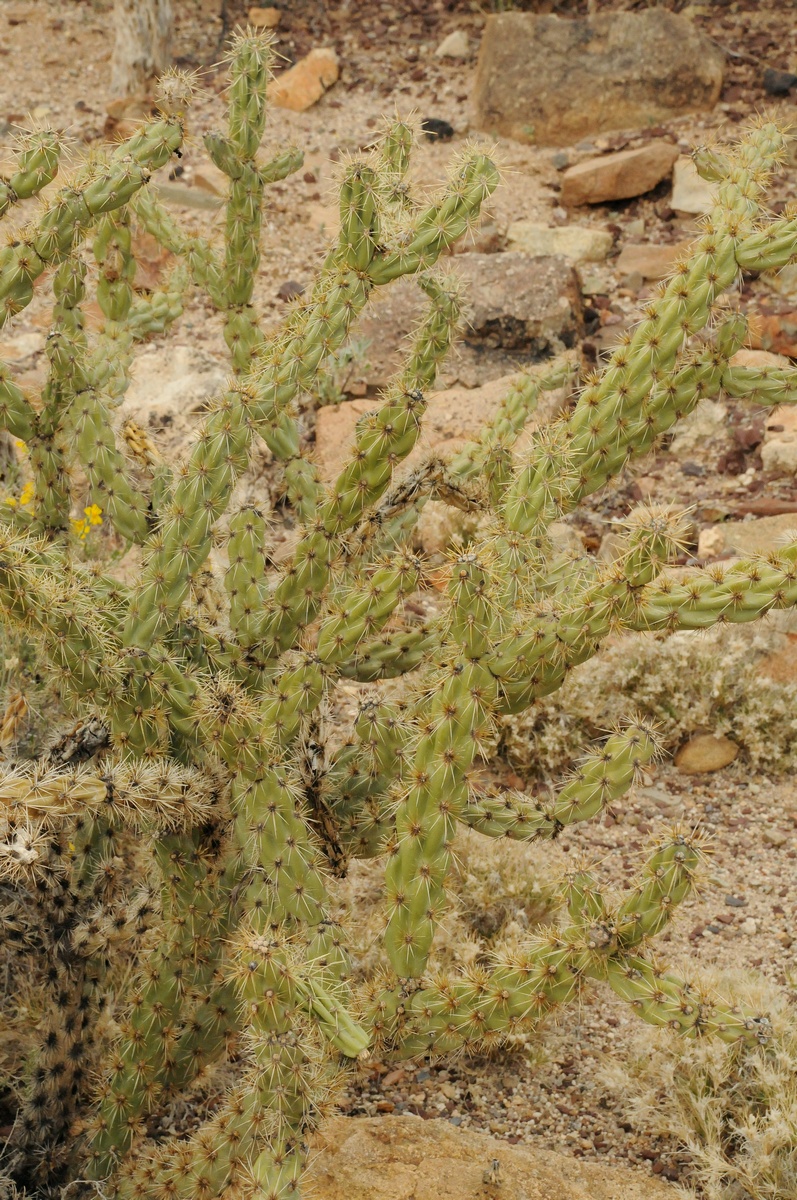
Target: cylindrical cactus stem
[(99, 189), (363, 774), (390, 655), (458, 723), (245, 578), (740, 592), (600, 780), (38, 156), (366, 609), (662, 998), (179, 1020), (667, 878)]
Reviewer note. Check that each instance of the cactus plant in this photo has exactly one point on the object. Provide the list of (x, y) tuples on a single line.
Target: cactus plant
[(199, 695)]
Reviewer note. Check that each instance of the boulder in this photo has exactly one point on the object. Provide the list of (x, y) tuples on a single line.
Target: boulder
[(554, 81), (618, 176), (407, 1158), (779, 451), (705, 752), (305, 82), (579, 243), (519, 301), (519, 308), (691, 195), (648, 260)]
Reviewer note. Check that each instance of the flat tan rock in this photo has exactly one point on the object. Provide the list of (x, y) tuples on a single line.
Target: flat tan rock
[(407, 1158), (705, 752), (452, 417), (303, 84), (760, 536), (618, 176), (650, 261)]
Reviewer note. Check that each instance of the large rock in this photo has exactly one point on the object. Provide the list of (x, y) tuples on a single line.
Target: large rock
[(761, 535), (519, 301), (618, 176), (705, 426), (579, 243), (519, 308), (407, 1158), (551, 81)]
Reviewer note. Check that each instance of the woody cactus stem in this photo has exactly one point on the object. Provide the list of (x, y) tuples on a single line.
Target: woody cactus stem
[(200, 758)]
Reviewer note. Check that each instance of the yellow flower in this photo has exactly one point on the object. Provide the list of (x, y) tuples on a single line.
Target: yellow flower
[(94, 514), (81, 527), (27, 493), (12, 501)]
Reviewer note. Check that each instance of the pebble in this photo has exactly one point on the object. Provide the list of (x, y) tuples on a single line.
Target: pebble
[(749, 925)]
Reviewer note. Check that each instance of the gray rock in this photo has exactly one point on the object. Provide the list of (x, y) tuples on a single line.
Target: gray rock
[(551, 81), (517, 301), (518, 309)]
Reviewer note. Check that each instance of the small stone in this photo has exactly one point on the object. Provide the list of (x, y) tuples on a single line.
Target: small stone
[(618, 176), (749, 925), (711, 542), (736, 901), (264, 18), (300, 87), (579, 243), (785, 939), (436, 129), (774, 837), (651, 262), (778, 83), (455, 45), (779, 451), (289, 290), (560, 160), (705, 752), (691, 195)]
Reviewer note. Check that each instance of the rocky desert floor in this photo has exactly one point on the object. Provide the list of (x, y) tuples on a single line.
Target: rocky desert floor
[(54, 68)]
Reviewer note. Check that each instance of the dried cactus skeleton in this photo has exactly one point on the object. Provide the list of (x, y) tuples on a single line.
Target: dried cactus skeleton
[(200, 705)]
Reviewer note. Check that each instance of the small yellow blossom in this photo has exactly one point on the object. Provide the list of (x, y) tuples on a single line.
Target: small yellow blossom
[(27, 493), (94, 514)]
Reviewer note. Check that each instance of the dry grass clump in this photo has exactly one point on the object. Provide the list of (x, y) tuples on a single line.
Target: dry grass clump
[(684, 682), (734, 1110)]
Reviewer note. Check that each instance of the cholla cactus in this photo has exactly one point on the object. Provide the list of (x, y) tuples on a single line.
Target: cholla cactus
[(199, 703)]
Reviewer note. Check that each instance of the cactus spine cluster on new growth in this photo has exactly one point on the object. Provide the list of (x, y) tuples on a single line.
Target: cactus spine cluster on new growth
[(199, 701)]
